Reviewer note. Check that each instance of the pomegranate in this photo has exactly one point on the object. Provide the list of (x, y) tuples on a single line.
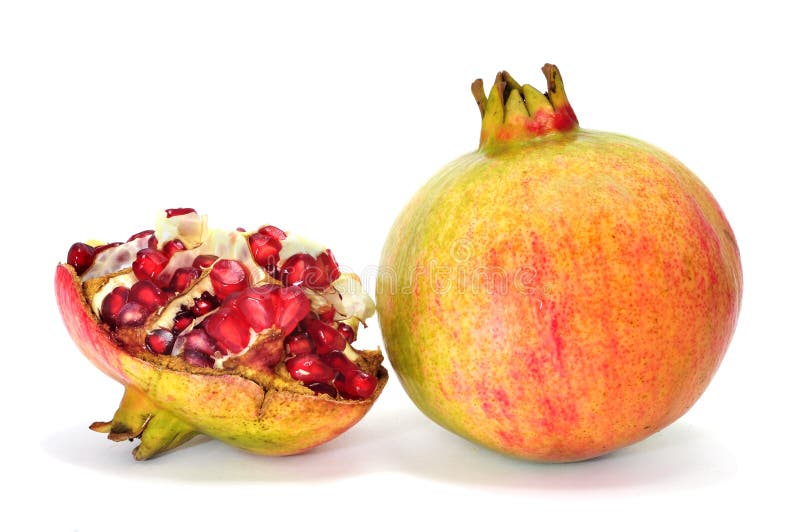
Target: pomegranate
[(559, 293), (209, 334)]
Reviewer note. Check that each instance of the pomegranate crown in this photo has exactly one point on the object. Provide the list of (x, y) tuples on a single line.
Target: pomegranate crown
[(513, 112)]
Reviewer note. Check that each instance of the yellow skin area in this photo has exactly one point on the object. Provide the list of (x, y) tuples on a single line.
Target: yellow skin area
[(559, 297), (166, 407)]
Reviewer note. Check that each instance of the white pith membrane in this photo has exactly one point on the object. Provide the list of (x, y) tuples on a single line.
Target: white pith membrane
[(345, 295)]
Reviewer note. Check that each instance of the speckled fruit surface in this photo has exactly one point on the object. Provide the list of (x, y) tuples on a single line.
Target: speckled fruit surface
[(559, 293)]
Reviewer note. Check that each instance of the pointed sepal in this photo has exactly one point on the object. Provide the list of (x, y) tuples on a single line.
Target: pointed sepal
[(138, 417), (513, 112)]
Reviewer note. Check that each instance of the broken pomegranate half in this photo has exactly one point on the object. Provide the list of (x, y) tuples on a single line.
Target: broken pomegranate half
[(243, 336)]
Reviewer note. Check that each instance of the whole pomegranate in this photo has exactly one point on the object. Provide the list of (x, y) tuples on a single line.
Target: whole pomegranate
[(559, 293), (243, 336)]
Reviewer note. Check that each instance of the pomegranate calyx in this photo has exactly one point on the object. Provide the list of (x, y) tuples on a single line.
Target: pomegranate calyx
[(138, 417), (514, 112)]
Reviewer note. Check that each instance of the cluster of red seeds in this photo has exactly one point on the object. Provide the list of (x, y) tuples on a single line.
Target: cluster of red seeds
[(317, 360), (313, 344)]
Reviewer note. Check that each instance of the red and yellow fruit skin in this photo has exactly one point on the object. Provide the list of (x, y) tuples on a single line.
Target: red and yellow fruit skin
[(166, 407), (559, 297)]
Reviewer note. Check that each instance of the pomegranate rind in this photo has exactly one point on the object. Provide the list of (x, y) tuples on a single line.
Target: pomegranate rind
[(559, 299), (240, 412), (94, 341), (166, 407)]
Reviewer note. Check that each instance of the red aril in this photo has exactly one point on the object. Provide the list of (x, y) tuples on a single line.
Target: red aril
[(294, 306), (309, 368), (339, 361), (80, 257), (328, 315), (182, 320), (272, 232), (259, 306), (172, 247), (112, 304), (132, 314), (149, 263), (265, 250), (160, 341), (325, 337), (347, 332), (152, 242), (297, 269), (147, 294), (197, 340), (328, 267), (356, 384), (182, 278), (298, 343), (228, 277), (301, 269), (178, 211), (205, 304), (204, 261), (229, 329)]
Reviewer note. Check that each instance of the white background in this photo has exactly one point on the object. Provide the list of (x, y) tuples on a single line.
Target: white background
[(323, 118)]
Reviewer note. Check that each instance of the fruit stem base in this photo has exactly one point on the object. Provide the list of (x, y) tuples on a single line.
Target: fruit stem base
[(138, 417)]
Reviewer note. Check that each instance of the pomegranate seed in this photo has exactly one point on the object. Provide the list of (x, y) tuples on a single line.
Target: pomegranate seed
[(293, 308), (323, 388), (195, 358), (299, 343), (160, 341), (356, 384), (182, 278), (325, 337), (328, 315), (327, 264), (182, 320), (152, 242), (241, 229), (179, 211), (204, 304), (265, 250), (259, 305), (80, 256), (304, 270), (296, 269), (347, 332), (309, 368), (198, 341), (100, 249), (132, 314), (229, 328), (204, 261), (140, 234), (227, 277), (339, 361), (149, 263), (272, 232), (112, 303), (172, 247), (147, 294)]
